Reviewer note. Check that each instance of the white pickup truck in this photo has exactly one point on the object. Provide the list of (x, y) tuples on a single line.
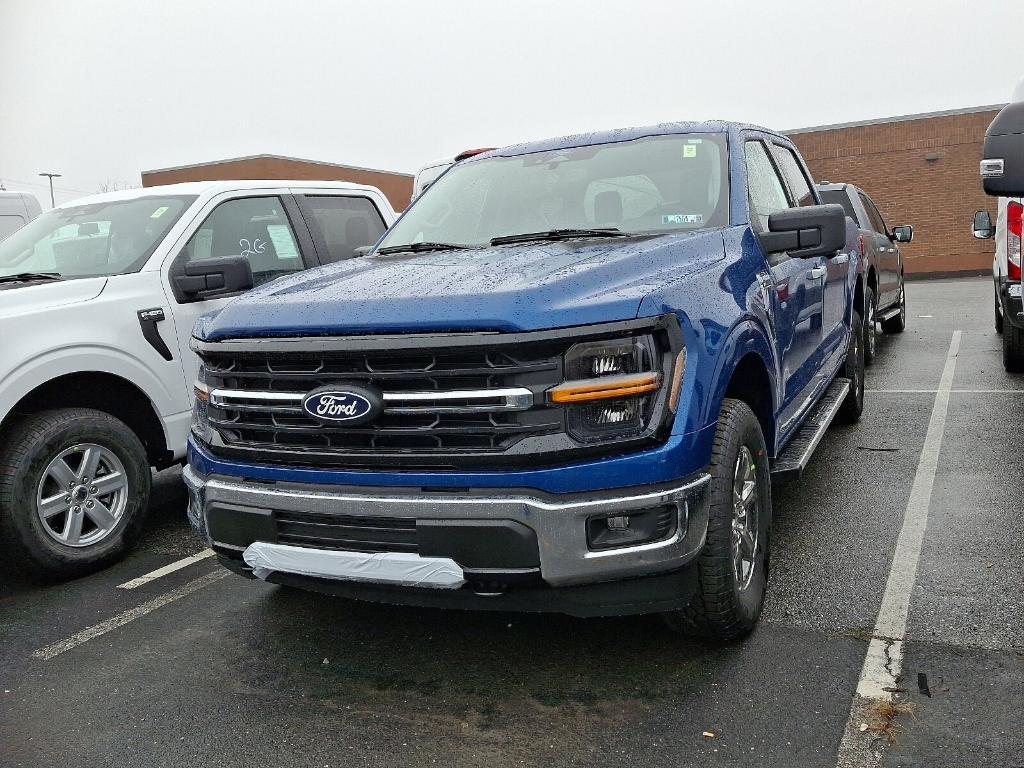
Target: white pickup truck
[(97, 302)]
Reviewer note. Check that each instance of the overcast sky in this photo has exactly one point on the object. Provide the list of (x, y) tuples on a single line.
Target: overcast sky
[(100, 91)]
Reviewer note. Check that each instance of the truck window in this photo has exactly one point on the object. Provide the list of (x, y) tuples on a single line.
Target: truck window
[(840, 197), (670, 183), (9, 223), (767, 194), (105, 238), (254, 227), (877, 222), (794, 175), (345, 223)]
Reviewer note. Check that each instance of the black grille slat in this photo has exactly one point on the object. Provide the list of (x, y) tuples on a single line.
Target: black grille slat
[(347, 532)]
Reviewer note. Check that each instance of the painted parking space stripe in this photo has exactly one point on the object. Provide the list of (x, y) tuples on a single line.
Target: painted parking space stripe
[(883, 662), (177, 565), (56, 649), (951, 391)]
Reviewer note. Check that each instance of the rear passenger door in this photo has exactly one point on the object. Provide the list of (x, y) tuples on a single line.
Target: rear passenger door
[(339, 222), (887, 255)]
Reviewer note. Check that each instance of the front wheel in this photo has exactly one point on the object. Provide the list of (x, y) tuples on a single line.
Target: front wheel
[(732, 570), (74, 488)]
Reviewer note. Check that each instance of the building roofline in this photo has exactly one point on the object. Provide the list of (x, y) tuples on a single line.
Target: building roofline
[(897, 119), (273, 157)]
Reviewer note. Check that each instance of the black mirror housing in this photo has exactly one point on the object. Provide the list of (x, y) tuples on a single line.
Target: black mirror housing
[(903, 233), (1002, 165), (803, 233), (982, 227), (211, 278)]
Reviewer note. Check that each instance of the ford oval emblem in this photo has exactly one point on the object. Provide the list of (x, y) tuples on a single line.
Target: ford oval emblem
[(347, 404)]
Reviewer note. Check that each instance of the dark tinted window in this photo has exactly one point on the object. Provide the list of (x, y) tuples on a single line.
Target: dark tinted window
[(877, 223), (839, 197), (794, 175), (345, 223), (254, 227), (767, 195)]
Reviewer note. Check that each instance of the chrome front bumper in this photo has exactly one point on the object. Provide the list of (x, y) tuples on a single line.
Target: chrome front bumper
[(559, 525)]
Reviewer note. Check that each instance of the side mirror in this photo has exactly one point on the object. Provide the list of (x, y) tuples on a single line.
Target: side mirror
[(902, 234), (814, 230), (1002, 165), (983, 228), (211, 278)]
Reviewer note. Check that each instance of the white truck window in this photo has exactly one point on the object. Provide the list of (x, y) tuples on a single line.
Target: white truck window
[(254, 227), (345, 223)]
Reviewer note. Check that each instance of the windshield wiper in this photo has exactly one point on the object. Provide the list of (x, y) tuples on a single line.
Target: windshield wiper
[(421, 247), (25, 277), (559, 234)]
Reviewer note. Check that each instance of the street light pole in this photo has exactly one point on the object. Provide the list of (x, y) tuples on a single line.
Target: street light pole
[(51, 177)]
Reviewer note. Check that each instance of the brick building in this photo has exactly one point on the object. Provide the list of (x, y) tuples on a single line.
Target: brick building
[(397, 187), (919, 169)]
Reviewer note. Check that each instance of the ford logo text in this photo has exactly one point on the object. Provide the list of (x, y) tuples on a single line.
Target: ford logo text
[(336, 405)]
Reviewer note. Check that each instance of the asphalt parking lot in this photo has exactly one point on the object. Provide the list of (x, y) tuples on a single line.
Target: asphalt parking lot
[(198, 667)]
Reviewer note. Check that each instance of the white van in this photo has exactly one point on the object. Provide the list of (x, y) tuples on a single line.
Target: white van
[(16, 210), (1006, 268)]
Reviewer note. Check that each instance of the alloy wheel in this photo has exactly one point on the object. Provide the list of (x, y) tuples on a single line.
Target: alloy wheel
[(746, 508), (82, 495)]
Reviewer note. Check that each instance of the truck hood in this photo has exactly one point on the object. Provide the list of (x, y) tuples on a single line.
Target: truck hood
[(506, 288), (26, 298)]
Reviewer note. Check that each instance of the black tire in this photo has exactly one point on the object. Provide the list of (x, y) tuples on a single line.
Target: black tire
[(999, 314), (28, 448), (723, 609), (1013, 348), (898, 323), (870, 326), (853, 403)]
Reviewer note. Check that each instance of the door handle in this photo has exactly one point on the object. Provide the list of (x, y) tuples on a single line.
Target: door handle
[(815, 272)]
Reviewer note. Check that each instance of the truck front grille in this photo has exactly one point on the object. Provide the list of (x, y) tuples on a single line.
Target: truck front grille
[(452, 401), (437, 403)]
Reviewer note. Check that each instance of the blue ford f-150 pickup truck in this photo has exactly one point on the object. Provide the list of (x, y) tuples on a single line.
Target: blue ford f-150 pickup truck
[(562, 381)]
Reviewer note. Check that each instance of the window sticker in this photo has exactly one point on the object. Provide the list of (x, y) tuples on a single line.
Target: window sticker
[(689, 150), (281, 237), (682, 218), (159, 212)]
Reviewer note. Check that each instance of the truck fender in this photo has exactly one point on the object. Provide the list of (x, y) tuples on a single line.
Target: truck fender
[(748, 345)]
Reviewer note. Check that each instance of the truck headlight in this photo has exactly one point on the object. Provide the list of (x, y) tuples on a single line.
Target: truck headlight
[(610, 388), (200, 410)]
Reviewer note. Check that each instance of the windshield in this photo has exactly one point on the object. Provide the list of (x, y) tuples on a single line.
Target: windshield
[(656, 184), (108, 238)]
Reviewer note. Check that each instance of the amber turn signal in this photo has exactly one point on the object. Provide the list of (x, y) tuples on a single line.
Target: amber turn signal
[(605, 387)]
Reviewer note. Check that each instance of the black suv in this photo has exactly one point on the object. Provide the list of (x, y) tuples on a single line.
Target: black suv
[(886, 301)]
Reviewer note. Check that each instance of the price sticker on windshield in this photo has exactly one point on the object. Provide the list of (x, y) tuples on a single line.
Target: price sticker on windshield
[(689, 150), (158, 212)]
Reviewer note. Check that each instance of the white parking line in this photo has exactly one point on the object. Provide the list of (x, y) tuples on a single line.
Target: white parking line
[(882, 665), (87, 634), (951, 391), (177, 565)]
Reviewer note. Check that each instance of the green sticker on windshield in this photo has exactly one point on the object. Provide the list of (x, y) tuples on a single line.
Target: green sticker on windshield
[(689, 150), (158, 212)]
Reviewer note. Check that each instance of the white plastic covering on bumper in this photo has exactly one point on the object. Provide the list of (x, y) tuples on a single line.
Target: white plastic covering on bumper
[(403, 568)]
